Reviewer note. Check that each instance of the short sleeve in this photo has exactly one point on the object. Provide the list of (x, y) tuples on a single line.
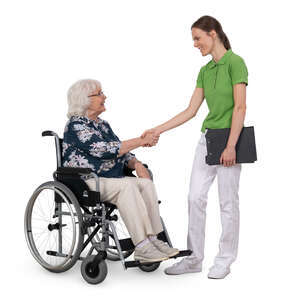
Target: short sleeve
[(129, 156), (200, 79), (238, 71)]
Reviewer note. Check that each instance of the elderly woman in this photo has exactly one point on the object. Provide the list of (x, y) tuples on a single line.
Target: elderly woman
[(89, 142)]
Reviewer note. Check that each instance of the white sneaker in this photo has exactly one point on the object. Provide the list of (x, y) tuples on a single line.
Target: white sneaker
[(165, 248), (148, 253), (218, 272), (182, 267)]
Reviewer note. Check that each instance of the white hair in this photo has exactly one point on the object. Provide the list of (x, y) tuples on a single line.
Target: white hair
[(78, 99)]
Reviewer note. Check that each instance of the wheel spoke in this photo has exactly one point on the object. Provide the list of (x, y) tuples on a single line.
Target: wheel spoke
[(40, 213)]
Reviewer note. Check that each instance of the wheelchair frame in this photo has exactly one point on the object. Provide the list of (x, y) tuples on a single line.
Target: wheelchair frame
[(96, 214)]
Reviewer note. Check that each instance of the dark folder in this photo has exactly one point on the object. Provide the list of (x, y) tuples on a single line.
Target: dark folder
[(216, 141)]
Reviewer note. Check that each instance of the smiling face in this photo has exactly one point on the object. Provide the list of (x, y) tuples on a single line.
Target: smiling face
[(204, 41), (97, 101)]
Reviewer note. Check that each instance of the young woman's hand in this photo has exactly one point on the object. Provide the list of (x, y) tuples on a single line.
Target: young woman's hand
[(149, 140), (152, 132), (228, 156)]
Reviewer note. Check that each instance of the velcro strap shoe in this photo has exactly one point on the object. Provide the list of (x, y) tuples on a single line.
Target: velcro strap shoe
[(165, 248), (148, 253)]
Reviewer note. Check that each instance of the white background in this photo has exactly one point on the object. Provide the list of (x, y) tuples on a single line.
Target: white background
[(143, 54)]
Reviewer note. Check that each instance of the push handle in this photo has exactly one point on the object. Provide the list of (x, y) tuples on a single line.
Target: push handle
[(48, 133)]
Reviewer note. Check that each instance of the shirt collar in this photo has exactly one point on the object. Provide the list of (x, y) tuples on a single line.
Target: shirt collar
[(88, 120), (222, 61)]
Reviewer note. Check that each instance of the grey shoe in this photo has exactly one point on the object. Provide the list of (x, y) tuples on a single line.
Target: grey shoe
[(183, 267), (148, 253), (218, 272), (165, 248)]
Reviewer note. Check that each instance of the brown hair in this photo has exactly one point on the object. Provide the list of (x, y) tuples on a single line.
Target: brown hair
[(208, 23)]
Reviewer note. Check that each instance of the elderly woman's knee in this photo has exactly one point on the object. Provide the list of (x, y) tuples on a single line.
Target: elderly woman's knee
[(128, 185)]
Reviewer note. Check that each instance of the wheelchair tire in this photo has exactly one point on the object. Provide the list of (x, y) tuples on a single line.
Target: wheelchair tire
[(149, 267), (93, 276), (58, 232)]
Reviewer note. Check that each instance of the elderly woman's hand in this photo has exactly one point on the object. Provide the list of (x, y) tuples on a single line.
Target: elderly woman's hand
[(149, 139), (155, 132), (141, 171)]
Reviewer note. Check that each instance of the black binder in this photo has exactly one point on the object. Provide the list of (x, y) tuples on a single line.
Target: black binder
[(216, 141)]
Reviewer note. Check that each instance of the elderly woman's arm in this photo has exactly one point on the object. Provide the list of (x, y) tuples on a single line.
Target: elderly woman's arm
[(131, 144), (131, 163), (138, 166), (92, 142)]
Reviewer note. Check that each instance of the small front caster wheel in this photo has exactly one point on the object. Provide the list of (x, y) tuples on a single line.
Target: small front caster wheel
[(93, 274), (149, 267)]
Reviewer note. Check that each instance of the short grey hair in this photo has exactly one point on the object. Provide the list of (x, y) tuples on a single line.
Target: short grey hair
[(78, 99)]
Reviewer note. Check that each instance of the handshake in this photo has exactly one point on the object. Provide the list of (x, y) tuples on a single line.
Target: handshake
[(150, 137)]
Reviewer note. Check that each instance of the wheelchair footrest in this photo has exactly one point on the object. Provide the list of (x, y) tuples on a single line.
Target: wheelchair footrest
[(136, 263), (132, 264), (126, 244), (183, 253)]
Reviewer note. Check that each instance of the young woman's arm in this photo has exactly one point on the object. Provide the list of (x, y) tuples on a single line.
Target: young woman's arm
[(238, 114), (228, 156), (184, 116)]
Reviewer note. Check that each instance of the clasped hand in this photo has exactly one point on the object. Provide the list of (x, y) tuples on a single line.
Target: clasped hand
[(150, 138)]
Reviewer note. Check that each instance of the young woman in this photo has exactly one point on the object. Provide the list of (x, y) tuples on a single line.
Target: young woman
[(222, 82)]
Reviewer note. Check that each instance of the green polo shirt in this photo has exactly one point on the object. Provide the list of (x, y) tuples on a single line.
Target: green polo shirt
[(217, 81)]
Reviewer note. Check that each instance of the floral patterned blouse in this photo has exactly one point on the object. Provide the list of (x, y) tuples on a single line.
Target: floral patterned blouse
[(92, 144)]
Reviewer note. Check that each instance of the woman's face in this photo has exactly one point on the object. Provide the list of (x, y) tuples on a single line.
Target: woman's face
[(97, 101), (203, 41)]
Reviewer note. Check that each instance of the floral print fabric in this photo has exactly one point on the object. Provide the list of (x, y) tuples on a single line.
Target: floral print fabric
[(93, 144)]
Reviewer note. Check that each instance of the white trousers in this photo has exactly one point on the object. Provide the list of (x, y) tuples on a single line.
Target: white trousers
[(202, 177), (137, 202)]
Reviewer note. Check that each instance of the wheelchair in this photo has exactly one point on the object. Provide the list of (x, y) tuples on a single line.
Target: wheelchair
[(63, 217)]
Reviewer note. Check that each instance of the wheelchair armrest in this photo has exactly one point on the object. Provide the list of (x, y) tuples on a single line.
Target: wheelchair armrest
[(73, 171), (128, 171), (149, 171)]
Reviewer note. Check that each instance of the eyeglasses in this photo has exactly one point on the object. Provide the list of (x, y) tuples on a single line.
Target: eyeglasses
[(100, 93)]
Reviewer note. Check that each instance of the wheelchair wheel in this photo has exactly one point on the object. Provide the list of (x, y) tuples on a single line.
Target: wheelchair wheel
[(113, 253), (149, 267), (53, 224), (93, 275)]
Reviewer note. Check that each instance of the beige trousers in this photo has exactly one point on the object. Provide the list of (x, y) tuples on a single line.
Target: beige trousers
[(137, 201)]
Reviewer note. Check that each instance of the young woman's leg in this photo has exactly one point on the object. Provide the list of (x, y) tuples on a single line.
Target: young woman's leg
[(201, 179), (228, 186)]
